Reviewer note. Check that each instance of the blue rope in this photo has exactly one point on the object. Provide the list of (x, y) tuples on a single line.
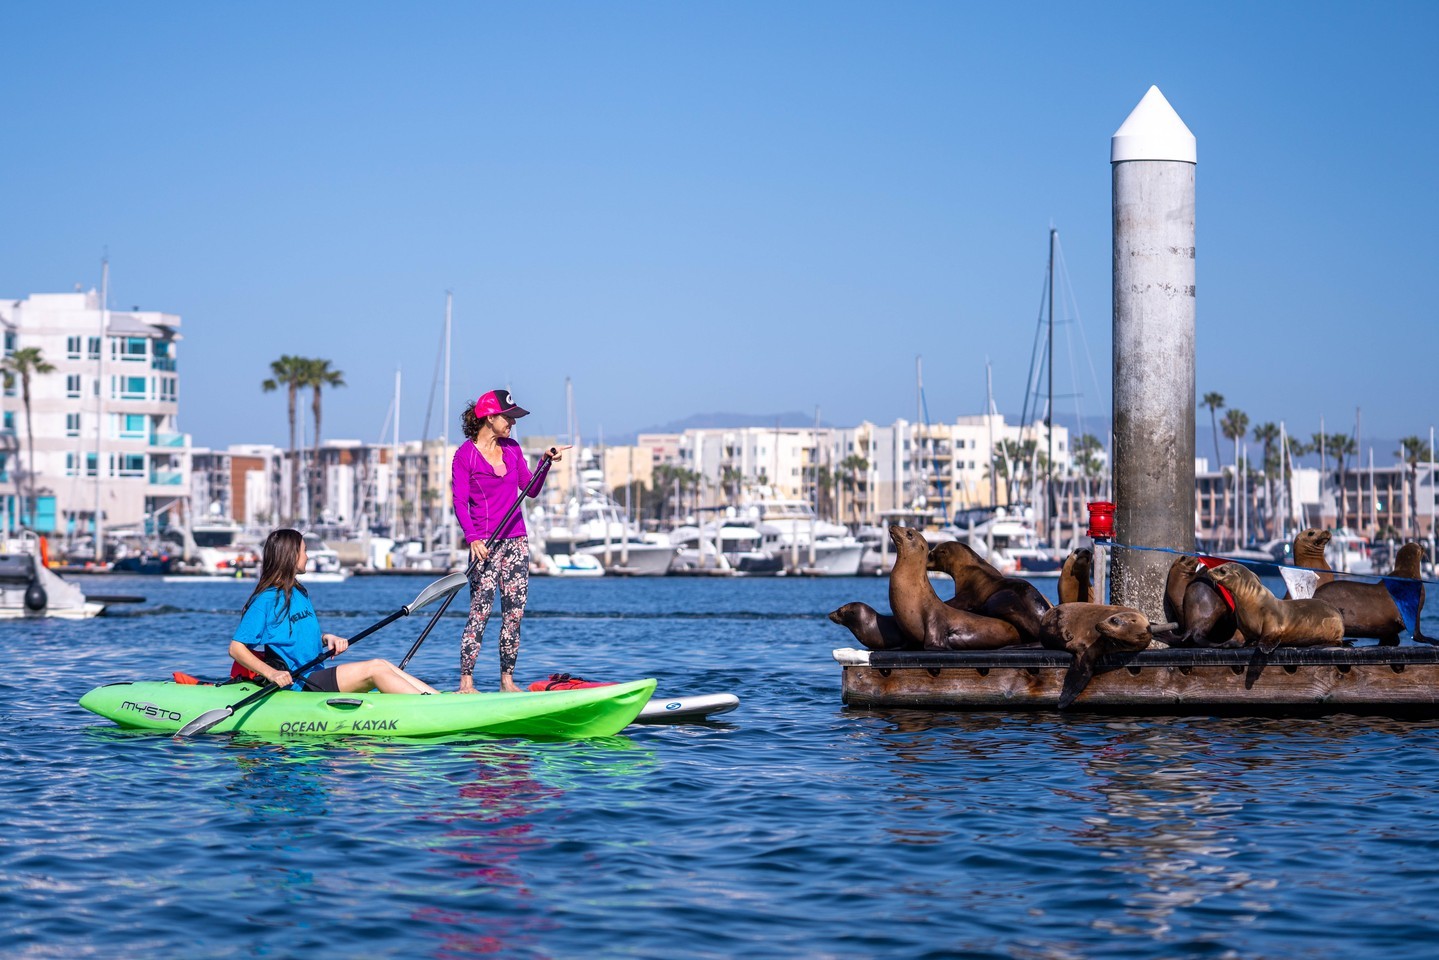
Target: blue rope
[(1361, 577)]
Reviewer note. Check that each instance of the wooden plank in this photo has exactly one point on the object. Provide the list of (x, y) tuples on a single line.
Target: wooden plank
[(1389, 680)]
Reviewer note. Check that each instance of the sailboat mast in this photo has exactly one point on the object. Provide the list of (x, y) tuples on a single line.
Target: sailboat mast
[(99, 412), (1049, 405), (989, 419), (920, 487), (445, 439), (395, 464)]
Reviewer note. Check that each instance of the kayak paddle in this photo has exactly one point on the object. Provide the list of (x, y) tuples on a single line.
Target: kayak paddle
[(529, 491), (444, 587)]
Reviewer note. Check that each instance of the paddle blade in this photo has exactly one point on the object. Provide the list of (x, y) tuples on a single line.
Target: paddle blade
[(204, 721), (443, 587)]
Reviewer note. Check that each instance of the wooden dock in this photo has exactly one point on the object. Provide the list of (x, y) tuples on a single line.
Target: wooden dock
[(1390, 681)]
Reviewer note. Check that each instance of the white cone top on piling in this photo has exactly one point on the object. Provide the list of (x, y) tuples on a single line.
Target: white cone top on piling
[(1153, 131)]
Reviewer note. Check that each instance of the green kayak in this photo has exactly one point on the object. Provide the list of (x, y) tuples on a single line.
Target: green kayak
[(554, 715)]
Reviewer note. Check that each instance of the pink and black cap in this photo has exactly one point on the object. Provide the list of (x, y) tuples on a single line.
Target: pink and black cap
[(499, 402)]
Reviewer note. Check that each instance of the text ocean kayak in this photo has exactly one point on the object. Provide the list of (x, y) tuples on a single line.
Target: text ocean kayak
[(556, 715)]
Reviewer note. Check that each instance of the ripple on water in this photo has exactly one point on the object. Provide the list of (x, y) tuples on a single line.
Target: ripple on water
[(794, 827)]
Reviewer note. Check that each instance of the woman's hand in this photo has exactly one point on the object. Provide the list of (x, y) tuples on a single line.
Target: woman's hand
[(556, 454), (467, 685), (478, 551), (281, 678), (336, 643)]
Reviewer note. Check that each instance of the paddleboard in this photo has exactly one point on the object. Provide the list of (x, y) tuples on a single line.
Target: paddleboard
[(686, 709)]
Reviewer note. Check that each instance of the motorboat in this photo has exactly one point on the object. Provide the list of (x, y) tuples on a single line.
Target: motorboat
[(594, 524), (29, 588), (1009, 541), (323, 565), (727, 546), (570, 565), (791, 532)]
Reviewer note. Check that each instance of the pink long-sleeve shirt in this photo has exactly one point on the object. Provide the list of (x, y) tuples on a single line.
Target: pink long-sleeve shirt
[(482, 497)]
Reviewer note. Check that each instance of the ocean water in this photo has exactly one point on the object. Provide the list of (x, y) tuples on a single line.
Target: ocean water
[(794, 827)]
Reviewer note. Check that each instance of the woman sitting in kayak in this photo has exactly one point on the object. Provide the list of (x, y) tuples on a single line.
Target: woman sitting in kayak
[(279, 620)]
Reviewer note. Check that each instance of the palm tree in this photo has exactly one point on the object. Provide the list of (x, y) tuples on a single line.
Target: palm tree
[(1411, 451), (27, 364), (1268, 434), (854, 466), (1086, 450), (1342, 446), (1215, 402), (318, 375), (1234, 426), (289, 372)]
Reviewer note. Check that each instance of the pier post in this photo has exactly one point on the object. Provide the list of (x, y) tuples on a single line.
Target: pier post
[(1152, 158)]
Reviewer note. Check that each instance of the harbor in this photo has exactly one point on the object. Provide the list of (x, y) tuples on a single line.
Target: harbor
[(845, 481)]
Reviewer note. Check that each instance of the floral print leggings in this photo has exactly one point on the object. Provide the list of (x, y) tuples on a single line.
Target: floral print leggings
[(508, 568)]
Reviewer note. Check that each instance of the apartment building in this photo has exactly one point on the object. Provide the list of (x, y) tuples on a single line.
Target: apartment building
[(105, 431)]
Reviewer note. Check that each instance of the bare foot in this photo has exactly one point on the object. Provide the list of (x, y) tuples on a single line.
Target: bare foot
[(467, 685), (508, 686)]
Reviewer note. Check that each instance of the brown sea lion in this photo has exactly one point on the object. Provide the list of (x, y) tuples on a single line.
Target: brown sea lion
[(1192, 600), (1088, 631), (1410, 563), (1270, 622), (1309, 552), (1076, 577), (980, 588), (875, 630), (1369, 609), (921, 614)]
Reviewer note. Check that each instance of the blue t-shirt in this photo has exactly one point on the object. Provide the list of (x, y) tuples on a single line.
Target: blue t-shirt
[(294, 637)]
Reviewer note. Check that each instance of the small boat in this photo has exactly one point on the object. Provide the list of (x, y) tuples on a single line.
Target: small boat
[(28, 588), (165, 707), (571, 565)]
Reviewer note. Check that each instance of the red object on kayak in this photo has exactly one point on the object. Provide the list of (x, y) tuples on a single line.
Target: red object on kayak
[(563, 681)]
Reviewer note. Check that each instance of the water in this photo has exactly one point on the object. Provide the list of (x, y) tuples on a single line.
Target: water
[(795, 828)]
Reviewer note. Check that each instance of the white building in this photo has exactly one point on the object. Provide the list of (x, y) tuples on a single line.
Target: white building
[(104, 421)]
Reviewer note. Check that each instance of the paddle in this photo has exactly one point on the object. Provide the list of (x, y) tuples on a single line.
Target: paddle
[(445, 586), (529, 491)]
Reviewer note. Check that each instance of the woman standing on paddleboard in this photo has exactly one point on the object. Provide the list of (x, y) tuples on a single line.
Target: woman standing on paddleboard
[(488, 476), (279, 621)]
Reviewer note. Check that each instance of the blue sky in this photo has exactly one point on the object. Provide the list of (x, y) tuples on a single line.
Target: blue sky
[(742, 207)]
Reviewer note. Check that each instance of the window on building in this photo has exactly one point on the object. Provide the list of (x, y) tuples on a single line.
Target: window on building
[(90, 461), (132, 388), (72, 424), (131, 465), (9, 341), (169, 389), (72, 348), (9, 421), (72, 385), (92, 348), (133, 348), (162, 348), (133, 426)]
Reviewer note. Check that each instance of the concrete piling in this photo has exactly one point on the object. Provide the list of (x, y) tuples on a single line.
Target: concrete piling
[(1152, 157)]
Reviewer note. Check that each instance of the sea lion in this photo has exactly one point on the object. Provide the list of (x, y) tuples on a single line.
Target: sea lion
[(1369, 609), (1088, 631), (922, 615), (1076, 577), (875, 630), (1309, 552), (980, 588), (1410, 563), (1270, 622), (1192, 600)]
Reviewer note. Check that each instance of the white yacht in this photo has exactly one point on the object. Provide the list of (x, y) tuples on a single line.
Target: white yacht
[(324, 564), (726, 546), (28, 588), (804, 544), (595, 525), (1009, 541)]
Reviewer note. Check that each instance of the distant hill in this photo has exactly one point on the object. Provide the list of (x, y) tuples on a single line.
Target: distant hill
[(719, 421)]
